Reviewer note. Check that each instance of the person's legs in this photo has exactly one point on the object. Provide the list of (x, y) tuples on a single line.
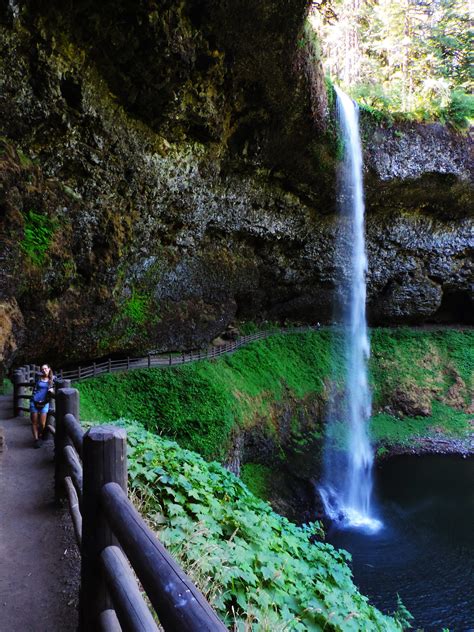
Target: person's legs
[(34, 425), (43, 417)]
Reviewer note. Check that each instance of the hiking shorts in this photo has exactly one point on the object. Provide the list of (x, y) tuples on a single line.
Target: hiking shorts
[(41, 411)]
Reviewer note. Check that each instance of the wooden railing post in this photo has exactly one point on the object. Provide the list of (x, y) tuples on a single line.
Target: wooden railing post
[(104, 460), (67, 401)]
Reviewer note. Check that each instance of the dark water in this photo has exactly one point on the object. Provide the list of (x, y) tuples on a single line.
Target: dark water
[(425, 552)]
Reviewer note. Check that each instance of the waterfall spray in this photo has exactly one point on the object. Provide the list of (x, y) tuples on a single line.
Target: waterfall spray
[(347, 487)]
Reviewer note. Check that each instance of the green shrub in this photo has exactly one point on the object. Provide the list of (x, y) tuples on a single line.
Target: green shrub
[(6, 387), (250, 327), (260, 571), (372, 96), (460, 110), (456, 109)]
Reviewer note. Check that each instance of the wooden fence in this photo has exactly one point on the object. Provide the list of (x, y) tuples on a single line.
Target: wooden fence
[(155, 359), (91, 472)]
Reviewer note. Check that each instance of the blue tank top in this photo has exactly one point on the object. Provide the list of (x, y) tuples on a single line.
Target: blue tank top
[(40, 393)]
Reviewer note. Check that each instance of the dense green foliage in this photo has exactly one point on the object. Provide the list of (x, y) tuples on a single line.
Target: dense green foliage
[(199, 404), (38, 233), (402, 56), (266, 574), (6, 387)]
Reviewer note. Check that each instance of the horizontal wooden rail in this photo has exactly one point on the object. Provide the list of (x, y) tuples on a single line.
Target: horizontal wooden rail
[(180, 606), (74, 431), (75, 470), (132, 611), (74, 510), (108, 621)]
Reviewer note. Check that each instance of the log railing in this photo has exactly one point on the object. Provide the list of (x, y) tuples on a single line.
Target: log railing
[(156, 359), (91, 472)]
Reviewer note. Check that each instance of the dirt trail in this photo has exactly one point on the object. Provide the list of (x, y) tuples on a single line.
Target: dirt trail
[(39, 562)]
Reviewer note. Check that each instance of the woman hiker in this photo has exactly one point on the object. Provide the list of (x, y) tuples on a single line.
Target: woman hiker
[(39, 403)]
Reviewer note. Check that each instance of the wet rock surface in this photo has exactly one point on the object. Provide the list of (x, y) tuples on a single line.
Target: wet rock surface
[(433, 445), (182, 163), (404, 151), (411, 403)]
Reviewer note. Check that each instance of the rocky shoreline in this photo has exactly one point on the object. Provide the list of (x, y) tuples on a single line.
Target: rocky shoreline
[(431, 445)]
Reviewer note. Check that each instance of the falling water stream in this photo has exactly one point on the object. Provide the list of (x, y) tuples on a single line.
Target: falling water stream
[(347, 485), (424, 552)]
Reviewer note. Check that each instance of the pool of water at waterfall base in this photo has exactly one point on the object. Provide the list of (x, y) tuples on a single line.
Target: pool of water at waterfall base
[(425, 551)]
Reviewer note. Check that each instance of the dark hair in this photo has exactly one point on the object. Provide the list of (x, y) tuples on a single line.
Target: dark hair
[(50, 374)]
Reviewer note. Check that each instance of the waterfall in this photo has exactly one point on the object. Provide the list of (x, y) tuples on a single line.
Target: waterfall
[(347, 482)]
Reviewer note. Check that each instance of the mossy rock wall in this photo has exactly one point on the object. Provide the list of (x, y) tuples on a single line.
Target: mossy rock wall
[(183, 158)]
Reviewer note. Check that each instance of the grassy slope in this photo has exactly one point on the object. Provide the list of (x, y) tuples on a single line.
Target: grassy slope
[(200, 404), (426, 364)]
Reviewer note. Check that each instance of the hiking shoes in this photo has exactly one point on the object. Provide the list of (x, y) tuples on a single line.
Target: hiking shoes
[(38, 443)]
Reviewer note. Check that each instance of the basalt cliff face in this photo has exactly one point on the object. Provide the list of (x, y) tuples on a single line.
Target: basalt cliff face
[(166, 168)]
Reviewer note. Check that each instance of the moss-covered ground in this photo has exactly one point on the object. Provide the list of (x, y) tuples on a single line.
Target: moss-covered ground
[(434, 370), (199, 404)]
